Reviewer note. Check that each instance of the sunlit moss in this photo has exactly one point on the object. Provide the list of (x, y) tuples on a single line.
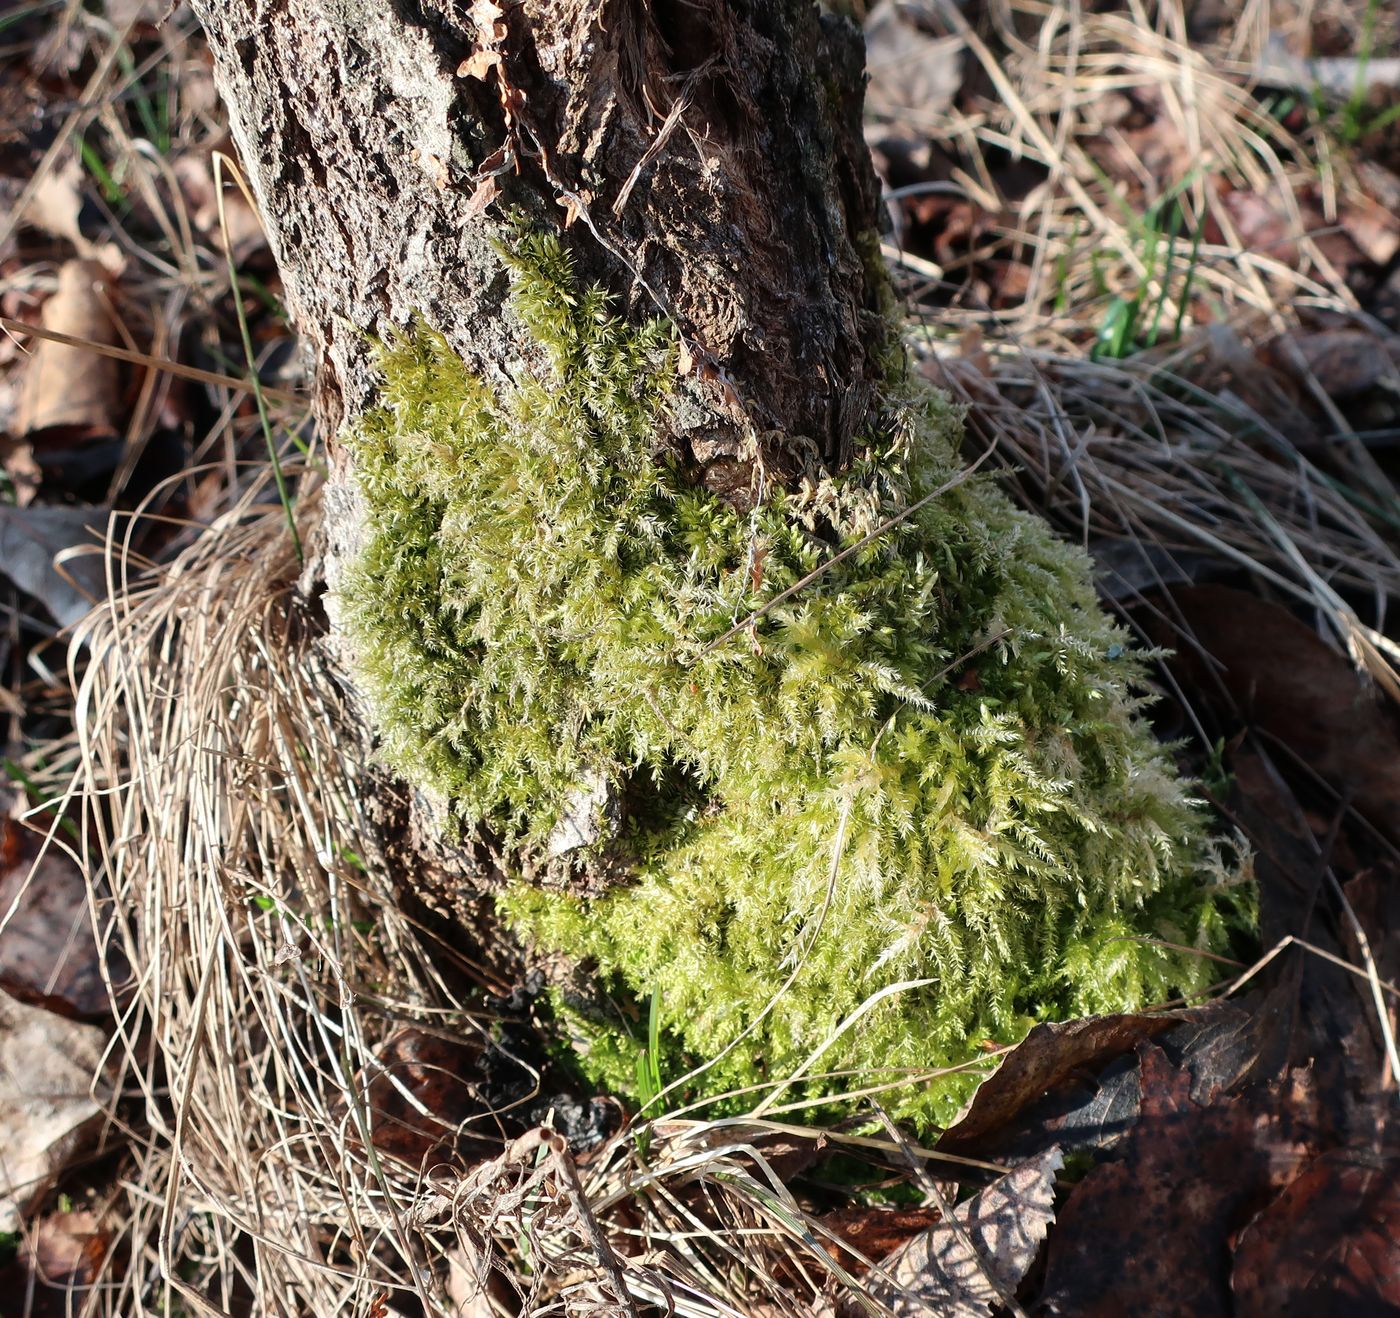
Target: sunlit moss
[(923, 769)]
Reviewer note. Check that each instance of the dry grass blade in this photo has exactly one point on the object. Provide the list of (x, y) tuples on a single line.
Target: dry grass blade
[(227, 776), (1136, 454)]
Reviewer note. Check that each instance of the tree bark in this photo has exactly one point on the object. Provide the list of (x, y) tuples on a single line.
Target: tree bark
[(706, 159)]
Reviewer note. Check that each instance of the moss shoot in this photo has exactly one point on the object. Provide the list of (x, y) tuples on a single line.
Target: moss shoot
[(909, 810)]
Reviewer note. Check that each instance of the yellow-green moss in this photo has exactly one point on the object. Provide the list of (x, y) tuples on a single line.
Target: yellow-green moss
[(532, 612)]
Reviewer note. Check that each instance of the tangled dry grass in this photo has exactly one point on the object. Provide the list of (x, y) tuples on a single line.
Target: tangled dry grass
[(1196, 444), (221, 765)]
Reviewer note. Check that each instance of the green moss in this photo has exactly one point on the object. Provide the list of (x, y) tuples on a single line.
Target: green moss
[(829, 804)]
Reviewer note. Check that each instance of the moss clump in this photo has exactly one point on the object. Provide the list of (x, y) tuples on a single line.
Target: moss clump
[(825, 807)]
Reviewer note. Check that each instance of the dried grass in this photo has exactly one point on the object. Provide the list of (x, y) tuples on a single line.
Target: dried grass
[(1191, 448)]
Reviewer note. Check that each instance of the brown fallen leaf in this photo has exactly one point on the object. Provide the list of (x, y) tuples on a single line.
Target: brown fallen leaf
[(1329, 1244), (964, 1267), (1248, 658), (240, 230), (1149, 1232), (1368, 213), (72, 388), (1046, 1058), (1347, 363), (1275, 225), (59, 1258), (66, 1249), (41, 551), (873, 1231), (427, 1104), (56, 206), (913, 76), (47, 1069)]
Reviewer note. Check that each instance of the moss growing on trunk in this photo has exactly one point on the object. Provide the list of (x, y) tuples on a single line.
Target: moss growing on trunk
[(910, 809)]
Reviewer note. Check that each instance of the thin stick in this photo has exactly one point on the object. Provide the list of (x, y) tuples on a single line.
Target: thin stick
[(145, 359)]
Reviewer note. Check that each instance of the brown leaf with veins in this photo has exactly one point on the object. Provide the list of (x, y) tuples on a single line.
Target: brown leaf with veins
[(964, 1267)]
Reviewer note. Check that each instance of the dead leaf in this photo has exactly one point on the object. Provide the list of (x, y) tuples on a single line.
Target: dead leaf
[(240, 230), (489, 20), (1347, 363), (873, 1231), (37, 547), (1329, 1244), (471, 1296), (48, 955), (66, 1250), (1262, 227), (1049, 1056), (428, 1100), (478, 64), (47, 1067), (485, 193), (1149, 1232), (1368, 214), (56, 202), (1252, 659), (66, 387), (962, 1268)]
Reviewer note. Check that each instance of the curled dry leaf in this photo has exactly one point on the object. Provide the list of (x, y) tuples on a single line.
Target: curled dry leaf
[(70, 388), (964, 1267)]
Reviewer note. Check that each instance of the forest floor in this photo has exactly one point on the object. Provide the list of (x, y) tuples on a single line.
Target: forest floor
[(1154, 247)]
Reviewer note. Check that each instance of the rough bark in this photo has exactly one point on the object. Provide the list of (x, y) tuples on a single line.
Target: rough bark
[(706, 158)]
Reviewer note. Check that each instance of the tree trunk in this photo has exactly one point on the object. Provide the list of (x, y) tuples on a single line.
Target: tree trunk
[(703, 161), (706, 159), (911, 811)]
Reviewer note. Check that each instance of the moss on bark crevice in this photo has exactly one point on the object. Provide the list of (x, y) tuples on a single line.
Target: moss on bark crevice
[(912, 808)]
